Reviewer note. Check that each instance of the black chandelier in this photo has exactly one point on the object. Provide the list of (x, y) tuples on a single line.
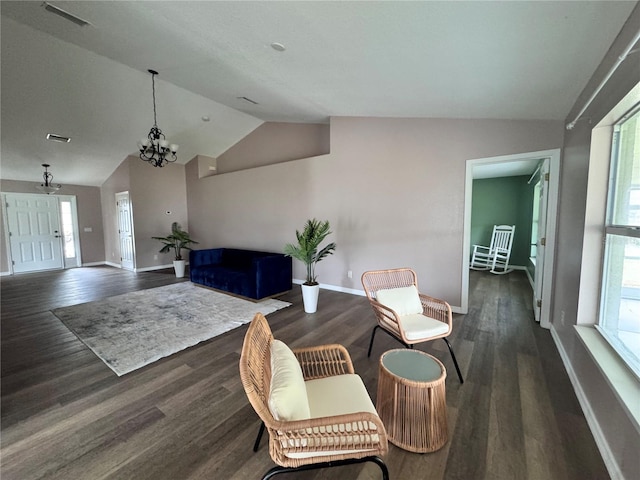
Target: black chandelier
[(155, 149), (48, 187)]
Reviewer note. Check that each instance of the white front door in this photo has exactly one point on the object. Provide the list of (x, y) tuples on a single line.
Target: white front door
[(35, 238), (125, 230), (541, 241)]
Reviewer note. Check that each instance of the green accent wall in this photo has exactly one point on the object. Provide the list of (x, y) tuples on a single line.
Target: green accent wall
[(503, 201)]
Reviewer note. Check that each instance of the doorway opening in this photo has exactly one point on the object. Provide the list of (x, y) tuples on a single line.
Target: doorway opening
[(539, 163)]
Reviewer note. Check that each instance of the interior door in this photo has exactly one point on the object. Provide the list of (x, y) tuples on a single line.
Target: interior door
[(35, 239), (125, 230), (541, 240)]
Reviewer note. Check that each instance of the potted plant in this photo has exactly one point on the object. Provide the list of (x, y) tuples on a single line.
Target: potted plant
[(306, 250), (176, 241)]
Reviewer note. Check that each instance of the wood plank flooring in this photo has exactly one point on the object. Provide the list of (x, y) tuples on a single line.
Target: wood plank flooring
[(66, 415)]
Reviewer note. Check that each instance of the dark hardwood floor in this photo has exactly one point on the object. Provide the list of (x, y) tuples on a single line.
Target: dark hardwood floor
[(66, 415)]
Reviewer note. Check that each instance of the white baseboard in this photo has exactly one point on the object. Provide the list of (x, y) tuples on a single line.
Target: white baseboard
[(354, 291), (95, 264), (111, 264), (531, 280), (151, 269), (335, 288), (3, 274), (594, 426)]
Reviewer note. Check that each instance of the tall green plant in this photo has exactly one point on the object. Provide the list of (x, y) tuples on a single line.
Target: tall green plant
[(176, 241), (306, 250)]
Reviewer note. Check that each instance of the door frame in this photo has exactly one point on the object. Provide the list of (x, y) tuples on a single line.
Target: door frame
[(76, 228), (552, 212), (5, 218), (118, 195), (541, 248)]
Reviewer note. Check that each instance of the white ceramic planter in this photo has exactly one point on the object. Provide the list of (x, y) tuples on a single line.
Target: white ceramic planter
[(310, 297), (178, 266)]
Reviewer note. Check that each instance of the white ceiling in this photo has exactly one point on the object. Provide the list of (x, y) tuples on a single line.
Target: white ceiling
[(477, 59), (505, 169)]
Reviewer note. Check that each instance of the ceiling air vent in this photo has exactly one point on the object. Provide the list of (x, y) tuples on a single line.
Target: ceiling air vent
[(64, 14), (58, 138), (247, 100)]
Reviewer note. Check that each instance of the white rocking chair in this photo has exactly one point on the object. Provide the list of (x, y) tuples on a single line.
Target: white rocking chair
[(495, 257)]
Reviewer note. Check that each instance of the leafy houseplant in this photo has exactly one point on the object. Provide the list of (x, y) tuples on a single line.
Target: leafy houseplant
[(176, 241), (306, 250)]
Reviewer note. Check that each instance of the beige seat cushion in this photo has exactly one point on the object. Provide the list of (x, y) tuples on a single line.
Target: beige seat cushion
[(337, 395), (419, 326), (288, 394), (402, 300)]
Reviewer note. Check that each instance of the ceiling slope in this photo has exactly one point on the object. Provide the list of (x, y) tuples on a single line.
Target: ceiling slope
[(505, 60)]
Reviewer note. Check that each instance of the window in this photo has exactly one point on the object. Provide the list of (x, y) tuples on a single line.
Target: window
[(619, 319), (67, 229), (535, 215)]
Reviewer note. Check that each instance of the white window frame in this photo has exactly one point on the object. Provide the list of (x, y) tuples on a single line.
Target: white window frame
[(594, 230), (628, 353)]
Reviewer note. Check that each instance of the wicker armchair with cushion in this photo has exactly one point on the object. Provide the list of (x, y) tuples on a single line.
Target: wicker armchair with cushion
[(316, 409), (402, 312)]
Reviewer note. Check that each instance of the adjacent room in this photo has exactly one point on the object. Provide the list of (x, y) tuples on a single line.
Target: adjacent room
[(165, 163)]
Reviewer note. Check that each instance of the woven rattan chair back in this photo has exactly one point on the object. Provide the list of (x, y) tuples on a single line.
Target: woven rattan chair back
[(255, 366), (383, 279)]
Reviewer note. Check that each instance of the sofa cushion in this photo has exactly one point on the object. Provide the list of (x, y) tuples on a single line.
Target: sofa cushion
[(402, 300), (288, 394)]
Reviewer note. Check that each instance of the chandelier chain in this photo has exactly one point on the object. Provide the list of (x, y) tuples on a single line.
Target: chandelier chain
[(153, 87)]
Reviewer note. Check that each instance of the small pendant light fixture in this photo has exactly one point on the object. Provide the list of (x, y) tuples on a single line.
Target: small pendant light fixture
[(155, 149), (48, 187)]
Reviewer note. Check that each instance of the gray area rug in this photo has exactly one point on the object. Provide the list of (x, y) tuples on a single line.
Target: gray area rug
[(132, 330)]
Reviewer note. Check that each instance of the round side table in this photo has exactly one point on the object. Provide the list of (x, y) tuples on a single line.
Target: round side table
[(411, 400)]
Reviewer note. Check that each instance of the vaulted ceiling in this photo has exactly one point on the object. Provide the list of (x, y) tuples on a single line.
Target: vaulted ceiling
[(440, 59)]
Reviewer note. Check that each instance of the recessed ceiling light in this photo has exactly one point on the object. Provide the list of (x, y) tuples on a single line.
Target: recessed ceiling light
[(278, 47), (205, 118), (58, 138)]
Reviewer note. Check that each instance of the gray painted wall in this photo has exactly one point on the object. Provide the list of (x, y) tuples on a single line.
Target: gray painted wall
[(620, 434), (393, 190), (153, 192)]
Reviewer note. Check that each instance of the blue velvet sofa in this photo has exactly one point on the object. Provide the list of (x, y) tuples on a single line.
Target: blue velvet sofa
[(247, 273)]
